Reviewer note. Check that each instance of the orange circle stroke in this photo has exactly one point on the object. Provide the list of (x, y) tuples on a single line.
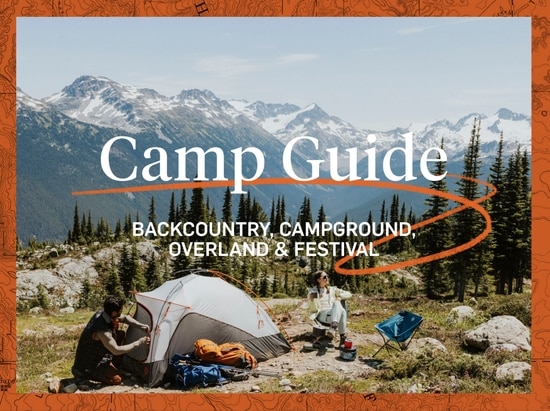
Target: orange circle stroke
[(466, 203), (475, 204)]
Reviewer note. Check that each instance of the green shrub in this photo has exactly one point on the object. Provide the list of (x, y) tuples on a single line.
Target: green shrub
[(517, 305)]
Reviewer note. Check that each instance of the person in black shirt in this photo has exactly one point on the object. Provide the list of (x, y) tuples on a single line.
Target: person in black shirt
[(101, 346)]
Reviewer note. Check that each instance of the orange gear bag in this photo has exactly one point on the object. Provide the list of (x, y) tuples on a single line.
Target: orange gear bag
[(207, 350)]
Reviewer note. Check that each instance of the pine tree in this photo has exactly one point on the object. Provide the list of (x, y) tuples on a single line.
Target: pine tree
[(394, 245), (152, 273), (242, 213), (499, 219), (125, 270), (85, 293), (279, 215), (172, 211), (182, 210), (89, 235), (468, 223), (76, 232), (227, 216), (305, 217), (113, 285), (264, 285), (172, 219), (272, 216), (257, 214), (182, 261), (138, 279), (436, 237), (128, 226), (227, 208), (517, 220), (152, 216), (118, 231), (197, 210)]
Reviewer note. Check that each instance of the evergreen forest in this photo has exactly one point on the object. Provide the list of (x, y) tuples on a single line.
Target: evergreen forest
[(499, 264)]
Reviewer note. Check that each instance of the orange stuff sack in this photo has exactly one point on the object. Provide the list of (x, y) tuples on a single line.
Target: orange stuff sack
[(207, 350), (235, 355)]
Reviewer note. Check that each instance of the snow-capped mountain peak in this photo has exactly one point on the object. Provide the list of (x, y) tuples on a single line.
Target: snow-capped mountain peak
[(101, 101), (23, 99)]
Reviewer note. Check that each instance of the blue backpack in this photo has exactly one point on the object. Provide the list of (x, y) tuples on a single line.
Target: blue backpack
[(189, 375)]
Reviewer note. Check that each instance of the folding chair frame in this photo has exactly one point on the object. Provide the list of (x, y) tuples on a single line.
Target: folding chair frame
[(388, 341)]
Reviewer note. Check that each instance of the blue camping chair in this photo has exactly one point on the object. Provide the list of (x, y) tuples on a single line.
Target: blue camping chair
[(398, 330)]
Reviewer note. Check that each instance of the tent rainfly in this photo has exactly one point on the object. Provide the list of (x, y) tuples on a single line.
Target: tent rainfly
[(194, 306)]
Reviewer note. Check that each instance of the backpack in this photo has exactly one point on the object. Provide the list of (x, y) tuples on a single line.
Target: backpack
[(233, 354), (189, 375), (236, 355), (207, 350)]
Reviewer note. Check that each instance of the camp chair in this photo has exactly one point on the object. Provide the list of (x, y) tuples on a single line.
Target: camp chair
[(320, 328), (398, 330)]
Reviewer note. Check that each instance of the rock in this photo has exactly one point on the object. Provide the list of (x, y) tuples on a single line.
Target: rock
[(54, 386), (70, 388), (35, 310), (255, 388), (66, 310), (459, 314), (285, 382), (504, 329), (496, 348), (415, 388), (427, 343), (516, 370)]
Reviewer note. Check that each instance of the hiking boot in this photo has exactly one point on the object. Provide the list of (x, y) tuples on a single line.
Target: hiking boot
[(342, 339), (113, 380), (332, 332)]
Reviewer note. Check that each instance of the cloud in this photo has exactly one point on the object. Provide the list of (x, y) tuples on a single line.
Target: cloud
[(441, 22), (225, 65), (297, 58)]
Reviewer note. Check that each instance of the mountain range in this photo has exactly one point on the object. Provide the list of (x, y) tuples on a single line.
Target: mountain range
[(60, 138)]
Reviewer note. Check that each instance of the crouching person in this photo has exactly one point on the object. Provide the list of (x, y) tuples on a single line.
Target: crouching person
[(101, 346)]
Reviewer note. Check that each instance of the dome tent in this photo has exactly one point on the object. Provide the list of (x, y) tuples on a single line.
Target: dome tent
[(195, 306)]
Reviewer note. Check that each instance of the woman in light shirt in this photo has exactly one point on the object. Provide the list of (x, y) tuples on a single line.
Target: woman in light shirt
[(325, 305)]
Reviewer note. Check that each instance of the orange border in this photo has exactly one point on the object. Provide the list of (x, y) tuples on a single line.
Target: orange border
[(538, 10)]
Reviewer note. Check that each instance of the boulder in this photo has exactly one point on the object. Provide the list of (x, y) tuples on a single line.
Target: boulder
[(431, 344), (515, 370), (496, 348), (35, 310), (459, 314), (503, 329)]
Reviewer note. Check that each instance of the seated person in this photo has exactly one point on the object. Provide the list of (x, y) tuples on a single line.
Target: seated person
[(100, 349), (326, 307)]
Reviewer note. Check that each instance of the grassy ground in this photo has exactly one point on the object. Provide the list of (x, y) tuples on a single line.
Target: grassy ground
[(46, 345)]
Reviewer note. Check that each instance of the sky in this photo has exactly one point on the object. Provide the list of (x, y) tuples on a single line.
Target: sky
[(376, 73)]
